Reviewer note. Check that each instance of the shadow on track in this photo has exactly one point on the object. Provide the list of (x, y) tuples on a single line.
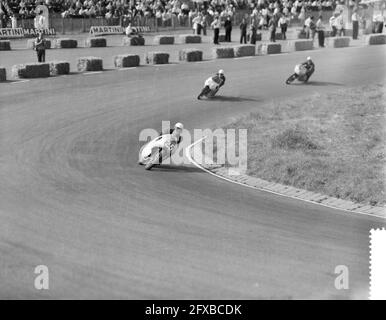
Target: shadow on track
[(231, 99), (175, 168), (318, 83)]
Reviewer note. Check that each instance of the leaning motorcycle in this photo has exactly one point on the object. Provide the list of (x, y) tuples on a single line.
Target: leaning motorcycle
[(301, 74), (210, 89), (156, 150)]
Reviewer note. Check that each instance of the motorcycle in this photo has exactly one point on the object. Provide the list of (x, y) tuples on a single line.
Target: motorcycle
[(301, 74), (210, 89), (156, 151)]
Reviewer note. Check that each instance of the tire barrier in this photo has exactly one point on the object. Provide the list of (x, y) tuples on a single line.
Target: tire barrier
[(126, 60), (31, 43), (31, 70), (244, 50), (97, 42), (188, 38), (90, 64), (5, 45), (298, 45), (269, 48), (64, 43), (279, 36), (375, 39), (137, 41), (3, 74), (190, 55), (163, 40), (133, 41), (59, 68), (224, 52), (340, 42), (157, 58)]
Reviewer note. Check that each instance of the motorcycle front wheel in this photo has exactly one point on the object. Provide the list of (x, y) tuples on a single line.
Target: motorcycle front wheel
[(291, 78), (152, 161)]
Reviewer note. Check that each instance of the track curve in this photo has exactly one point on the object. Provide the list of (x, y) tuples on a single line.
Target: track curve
[(74, 199)]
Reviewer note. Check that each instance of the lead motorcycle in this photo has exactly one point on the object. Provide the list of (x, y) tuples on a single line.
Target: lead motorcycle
[(156, 151), (301, 74)]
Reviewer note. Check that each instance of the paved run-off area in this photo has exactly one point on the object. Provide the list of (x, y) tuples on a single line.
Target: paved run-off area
[(74, 199)]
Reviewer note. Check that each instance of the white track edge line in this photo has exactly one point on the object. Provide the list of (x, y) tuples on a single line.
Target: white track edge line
[(187, 152)]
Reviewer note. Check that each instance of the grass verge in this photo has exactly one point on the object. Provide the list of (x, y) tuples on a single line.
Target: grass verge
[(332, 143)]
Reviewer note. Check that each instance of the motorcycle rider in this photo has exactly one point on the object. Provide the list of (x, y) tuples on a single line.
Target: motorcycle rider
[(175, 139), (175, 132), (310, 67), (218, 79)]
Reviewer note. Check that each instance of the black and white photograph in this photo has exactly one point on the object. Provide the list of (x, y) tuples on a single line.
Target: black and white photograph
[(193, 150)]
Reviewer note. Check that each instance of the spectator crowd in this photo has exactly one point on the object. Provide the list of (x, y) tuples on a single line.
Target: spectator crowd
[(163, 9), (199, 14)]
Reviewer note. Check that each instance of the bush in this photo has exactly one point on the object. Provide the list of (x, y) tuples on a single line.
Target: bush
[(59, 67), (65, 43), (163, 40), (5, 45), (3, 74), (126, 60), (31, 70), (157, 58), (293, 139), (190, 55), (96, 42), (90, 64), (224, 52)]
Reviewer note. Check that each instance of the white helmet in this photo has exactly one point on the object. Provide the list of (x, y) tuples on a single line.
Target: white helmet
[(179, 125), (221, 71), (308, 58)]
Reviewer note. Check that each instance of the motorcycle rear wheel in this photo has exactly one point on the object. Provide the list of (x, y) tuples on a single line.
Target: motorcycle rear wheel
[(291, 79)]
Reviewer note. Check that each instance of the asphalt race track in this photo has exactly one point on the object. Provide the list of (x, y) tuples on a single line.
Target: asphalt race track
[(74, 199)]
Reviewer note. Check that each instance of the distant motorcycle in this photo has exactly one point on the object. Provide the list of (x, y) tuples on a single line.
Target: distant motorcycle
[(301, 74), (210, 89), (156, 150)]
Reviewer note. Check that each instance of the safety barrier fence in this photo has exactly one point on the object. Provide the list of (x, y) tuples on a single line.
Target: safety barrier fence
[(54, 68)]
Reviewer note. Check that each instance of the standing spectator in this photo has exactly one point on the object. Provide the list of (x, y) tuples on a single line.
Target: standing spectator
[(243, 31), (197, 24), (204, 24), (340, 24), (13, 22), (283, 26), (312, 28), (355, 24), (272, 29), (320, 31), (216, 24), (40, 21), (332, 23), (40, 47), (307, 26), (228, 29), (252, 34)]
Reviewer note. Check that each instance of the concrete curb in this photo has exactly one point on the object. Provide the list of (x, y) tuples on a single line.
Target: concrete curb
[(287, 191)]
